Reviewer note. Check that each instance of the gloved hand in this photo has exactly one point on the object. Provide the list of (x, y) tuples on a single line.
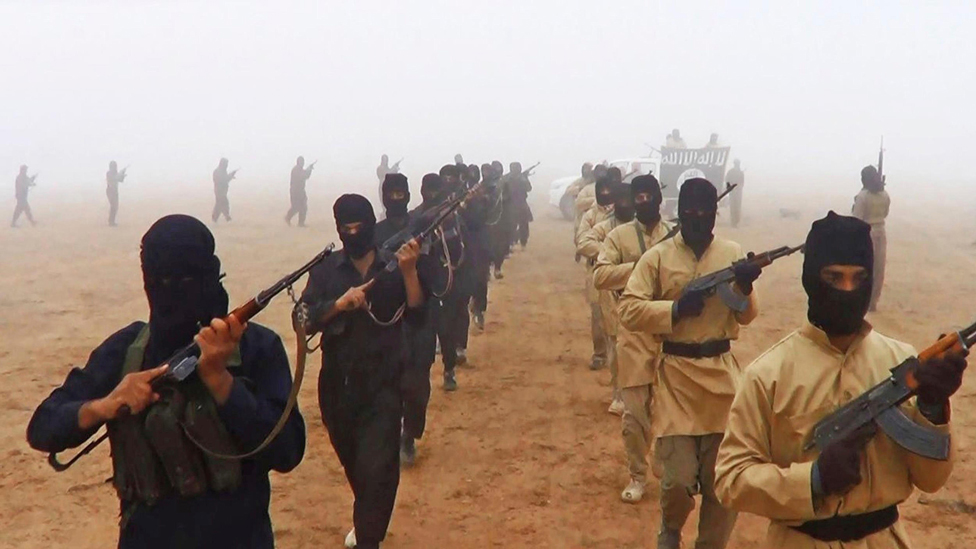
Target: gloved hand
[(690, 304), (839, 464), (746, 274), (939, 378)]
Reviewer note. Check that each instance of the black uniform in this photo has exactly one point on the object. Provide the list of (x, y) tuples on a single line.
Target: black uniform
[(501, 224), (21, 187), (359, 384), (299, 199), (475, 219), (453, 320), (421, 339), (257, 398), (521, 213)]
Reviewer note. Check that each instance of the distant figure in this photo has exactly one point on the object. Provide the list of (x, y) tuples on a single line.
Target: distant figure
[(674, 141), (871, 205), (459, 160), (522, 214), (22, 186), (737, 178), (713, 142), (383, 169), (221, 179), (112, 179), (299, 200)]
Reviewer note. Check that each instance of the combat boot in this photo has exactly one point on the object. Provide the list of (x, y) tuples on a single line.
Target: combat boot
[(450, 383)]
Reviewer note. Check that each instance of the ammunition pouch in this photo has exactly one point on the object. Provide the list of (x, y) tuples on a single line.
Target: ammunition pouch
[(159, 451)]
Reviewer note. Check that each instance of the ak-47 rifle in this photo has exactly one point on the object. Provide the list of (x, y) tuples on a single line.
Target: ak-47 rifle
[(32, 179), (122, 173), (881, 163), (729, 187), (312, 165), (528, 172), (184, 362), (396, 165), (880, 405), (721, 281)]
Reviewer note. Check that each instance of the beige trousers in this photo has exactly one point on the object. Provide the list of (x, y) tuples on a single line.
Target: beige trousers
[(636, 429), (880, 241), (599, 335), (689, 469)]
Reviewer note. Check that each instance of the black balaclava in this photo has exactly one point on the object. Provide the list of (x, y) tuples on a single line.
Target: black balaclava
[(837, 240), (497, 167), (487, 173), (870, 179), (623, 203), (354, 208), (696, 230), (599, 171), (647, 213), (473, 174), (615, 174), (395, 208), (604, 191), (431, 187), (181, 276)]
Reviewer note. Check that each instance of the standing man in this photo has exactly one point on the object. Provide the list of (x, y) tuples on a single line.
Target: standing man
[(738, 178), (871, 206), (453, 320), (500, 235), (522, 213), (172, 494), (358, 307), (419, 339), (712, 142), (299, 199), (847, 496), (383, 169), (22, 186), (601, 211), (112, 179), (590, 247), (222, 179), (675, 141), (637, 351), (475, 216), (697, 373)]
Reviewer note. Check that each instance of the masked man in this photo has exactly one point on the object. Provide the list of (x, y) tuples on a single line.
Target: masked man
[(221, 180), (697, 373), (358, 304), (847, 495), (590, 247), (601, 211), (172, 494), (871, 206), (636, 352)]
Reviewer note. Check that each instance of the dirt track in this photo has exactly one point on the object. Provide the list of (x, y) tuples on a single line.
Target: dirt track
[(523, 455)]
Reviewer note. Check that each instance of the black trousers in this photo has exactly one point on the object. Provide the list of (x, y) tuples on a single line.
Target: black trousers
[(22, 208), (415, 384), (480, 258), (221, 207), (113, 205), (452, 325), (520, 233), (500, 238), (299, 205), (364, 427)]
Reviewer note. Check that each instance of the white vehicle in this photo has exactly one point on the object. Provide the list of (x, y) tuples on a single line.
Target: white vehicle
[(629, 167)]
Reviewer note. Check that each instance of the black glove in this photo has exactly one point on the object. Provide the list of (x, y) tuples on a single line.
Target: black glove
[(690, 304), (939, 378), (840, 462), (746, 274)]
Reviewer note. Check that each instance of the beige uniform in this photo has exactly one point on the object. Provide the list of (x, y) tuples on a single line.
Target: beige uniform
[(872, 208), (762, 468), (585, 200), (692, 396), (636, 352), (590, 219)]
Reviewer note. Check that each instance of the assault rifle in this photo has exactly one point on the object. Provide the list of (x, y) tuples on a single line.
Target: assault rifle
[(881, 163), (312, 165), (528, 172), (721, 281), (184, 361), (395, 166), (880, 405), (729, 187)]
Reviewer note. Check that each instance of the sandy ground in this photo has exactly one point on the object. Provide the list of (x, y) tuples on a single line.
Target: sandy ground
[(523, 455)]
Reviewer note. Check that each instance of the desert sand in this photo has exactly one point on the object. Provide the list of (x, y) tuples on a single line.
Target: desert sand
[(523, 455)]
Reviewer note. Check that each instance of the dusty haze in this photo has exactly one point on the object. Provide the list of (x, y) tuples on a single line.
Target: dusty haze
[(801, 93)]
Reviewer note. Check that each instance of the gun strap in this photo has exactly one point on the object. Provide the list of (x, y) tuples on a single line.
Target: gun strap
[(301, 356), (640, 236)]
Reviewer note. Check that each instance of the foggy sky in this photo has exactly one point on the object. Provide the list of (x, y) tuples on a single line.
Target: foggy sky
[(799, 92)]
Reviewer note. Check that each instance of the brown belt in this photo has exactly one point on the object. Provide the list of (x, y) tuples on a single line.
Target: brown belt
[(707, 349), (850, 527)]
